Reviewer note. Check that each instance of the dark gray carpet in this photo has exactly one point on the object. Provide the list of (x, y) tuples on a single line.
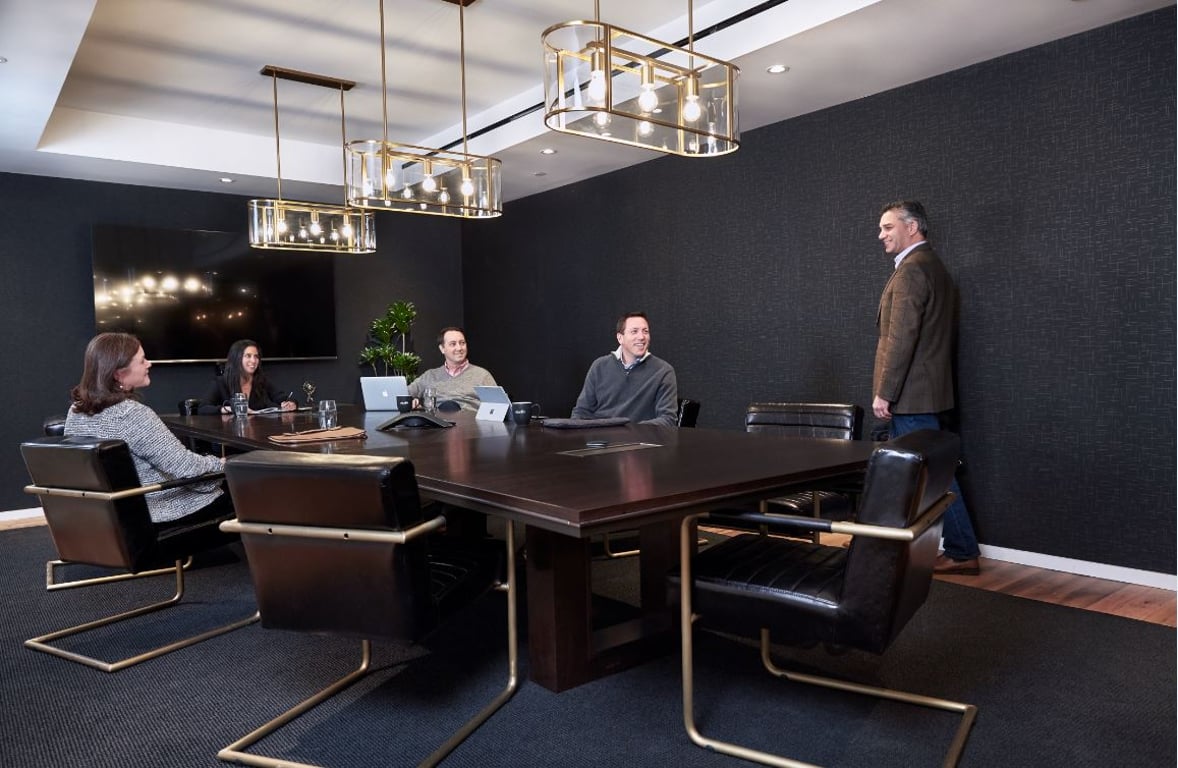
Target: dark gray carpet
[(1055, 687)]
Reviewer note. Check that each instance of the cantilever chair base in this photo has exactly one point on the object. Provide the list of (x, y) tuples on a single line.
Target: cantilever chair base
[(235, 751), (51, 583), (42, 643)]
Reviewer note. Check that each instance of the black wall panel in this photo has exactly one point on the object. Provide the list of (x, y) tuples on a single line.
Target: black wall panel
[(1049, 178)]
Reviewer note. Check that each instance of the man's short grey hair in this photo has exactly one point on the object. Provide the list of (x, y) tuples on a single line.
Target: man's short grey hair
[(909, 210)]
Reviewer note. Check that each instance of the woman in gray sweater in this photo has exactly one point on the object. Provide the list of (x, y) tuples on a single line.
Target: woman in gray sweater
[(105, 406)]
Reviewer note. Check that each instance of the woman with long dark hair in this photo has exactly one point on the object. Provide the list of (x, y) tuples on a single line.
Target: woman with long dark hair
[(106, 406), (243, 373)]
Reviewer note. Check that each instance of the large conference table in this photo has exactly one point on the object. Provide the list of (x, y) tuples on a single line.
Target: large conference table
[(646, 479)]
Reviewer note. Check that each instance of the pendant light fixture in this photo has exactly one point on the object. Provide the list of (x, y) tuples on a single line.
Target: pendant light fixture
[(298, 226), (605, 82), (385, 176)]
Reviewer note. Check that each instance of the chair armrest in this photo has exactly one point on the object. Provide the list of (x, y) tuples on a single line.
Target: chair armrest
[(919, 526), (139, 490), (775, 522), (342, 534), (798, 523)]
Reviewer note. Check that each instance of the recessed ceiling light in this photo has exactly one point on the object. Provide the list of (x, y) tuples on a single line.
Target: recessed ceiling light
[(226, 180), (777, 69), (540, 173), (3, 60), (548, 151)]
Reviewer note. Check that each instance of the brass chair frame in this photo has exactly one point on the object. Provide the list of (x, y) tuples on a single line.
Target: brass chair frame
[(41, 643), (687, 618), (235, 751)]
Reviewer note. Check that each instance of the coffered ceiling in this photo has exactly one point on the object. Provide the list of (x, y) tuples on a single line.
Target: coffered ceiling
[(168, 92)]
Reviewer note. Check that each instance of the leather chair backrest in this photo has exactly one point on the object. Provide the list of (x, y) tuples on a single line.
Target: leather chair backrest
[(115, 534), (53, 426), (843, 421), (688, 412), (886, 581), (338, 586)]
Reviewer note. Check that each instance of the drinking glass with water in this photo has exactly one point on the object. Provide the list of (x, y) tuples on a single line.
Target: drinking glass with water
[(328, 414)]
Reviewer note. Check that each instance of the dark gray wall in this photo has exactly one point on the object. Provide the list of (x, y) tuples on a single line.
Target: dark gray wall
[(1049, 176), (47, 297)]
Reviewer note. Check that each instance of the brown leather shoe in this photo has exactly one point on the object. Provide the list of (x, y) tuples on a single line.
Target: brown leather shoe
[(947, 566)]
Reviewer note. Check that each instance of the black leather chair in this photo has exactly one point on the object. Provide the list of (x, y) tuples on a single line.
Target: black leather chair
[(841, 421), (338, 544), (688, 412), (802, 593), (53, 426), (97, 515)]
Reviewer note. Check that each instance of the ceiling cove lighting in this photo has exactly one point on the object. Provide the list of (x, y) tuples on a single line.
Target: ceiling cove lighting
[(385, 176), (604, 82), (297, 226)]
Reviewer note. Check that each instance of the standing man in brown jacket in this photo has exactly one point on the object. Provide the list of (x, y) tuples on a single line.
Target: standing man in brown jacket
[(913, 379)]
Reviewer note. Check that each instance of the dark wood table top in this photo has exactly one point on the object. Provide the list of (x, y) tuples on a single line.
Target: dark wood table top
[(549, 478)]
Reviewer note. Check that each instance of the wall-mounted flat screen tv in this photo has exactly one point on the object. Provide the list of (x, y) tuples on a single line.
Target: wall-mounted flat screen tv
[(189, 294)]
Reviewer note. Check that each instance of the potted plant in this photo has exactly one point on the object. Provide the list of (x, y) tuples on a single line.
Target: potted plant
[(381, 352)]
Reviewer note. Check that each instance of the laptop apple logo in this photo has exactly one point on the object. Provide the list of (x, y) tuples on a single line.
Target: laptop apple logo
[(384, 393)]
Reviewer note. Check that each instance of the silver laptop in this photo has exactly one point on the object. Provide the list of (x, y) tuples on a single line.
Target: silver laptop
[(381, 392), (494, 404)]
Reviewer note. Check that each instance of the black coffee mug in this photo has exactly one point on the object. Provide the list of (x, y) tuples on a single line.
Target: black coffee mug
[(404, 403), (522, 411)]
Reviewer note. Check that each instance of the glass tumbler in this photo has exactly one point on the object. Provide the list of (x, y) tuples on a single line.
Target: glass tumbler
[(328, 414), (240, 405)]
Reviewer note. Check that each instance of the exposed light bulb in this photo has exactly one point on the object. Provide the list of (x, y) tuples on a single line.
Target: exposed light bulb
[(428, 184), (346, 229), (467, 187), (334, 236), (648, 100), (645, 128), (601, 119), (316, 228), (302, 233), (596, 89), (282, 226), (407, 193), (691, 108), (443, 197)]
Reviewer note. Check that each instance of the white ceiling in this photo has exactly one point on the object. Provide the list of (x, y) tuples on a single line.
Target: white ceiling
[(168, 92)]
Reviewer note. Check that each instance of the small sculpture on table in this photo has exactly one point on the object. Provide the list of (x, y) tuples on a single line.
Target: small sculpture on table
[(309, 390)]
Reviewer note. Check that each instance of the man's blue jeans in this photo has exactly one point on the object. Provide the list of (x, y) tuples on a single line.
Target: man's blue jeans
[(960, 541)]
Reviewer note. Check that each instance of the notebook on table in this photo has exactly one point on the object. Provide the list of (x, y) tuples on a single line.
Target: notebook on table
[(494, 404), (381, 392)]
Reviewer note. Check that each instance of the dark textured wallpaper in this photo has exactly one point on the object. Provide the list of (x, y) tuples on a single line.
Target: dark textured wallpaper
[(47, 297), (1049, 178)]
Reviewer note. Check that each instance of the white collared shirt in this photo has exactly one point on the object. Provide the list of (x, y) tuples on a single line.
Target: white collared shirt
[(906, 251), (637, 360)]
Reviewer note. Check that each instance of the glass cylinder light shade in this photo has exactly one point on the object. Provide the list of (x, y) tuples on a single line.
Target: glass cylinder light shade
[(606, 83), (294, 226), (402, 177)]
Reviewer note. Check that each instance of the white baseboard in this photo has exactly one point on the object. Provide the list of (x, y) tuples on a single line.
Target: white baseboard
[(22, 514), (1083, 567)]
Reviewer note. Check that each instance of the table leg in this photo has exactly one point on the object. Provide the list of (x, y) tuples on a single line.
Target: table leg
[(558, 595)]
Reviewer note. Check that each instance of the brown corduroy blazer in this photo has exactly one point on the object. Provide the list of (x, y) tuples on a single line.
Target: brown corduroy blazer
[(914, 357)]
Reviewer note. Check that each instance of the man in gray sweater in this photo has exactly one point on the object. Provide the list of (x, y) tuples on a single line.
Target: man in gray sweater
[(630, 382)]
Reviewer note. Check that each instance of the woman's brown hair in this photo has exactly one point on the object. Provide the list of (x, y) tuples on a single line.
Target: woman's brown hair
[(105, 354)]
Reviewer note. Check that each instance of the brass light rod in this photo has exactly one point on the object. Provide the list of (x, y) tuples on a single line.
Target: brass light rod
[(310, 78)]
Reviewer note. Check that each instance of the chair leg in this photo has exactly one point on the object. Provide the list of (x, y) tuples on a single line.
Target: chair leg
[(968, 712), (686, 621), (235, 752), (51, 584), (41, 643)]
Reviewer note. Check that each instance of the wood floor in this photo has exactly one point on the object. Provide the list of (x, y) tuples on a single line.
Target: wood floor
[(1157, 606)]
